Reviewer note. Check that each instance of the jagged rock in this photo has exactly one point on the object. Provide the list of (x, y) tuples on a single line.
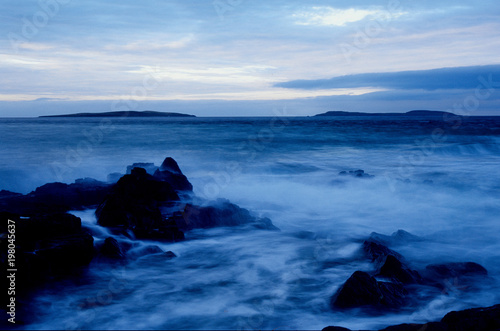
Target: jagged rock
[(378, 253), (135, 204), (170, 172), (433, 326), (397, 238), (399, 272), (149, 167), (363, 290), (112, 249)]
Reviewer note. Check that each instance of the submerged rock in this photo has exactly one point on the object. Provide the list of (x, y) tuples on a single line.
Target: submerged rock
[(455, 270), (397, 238), (112, 249), (356, 173), (362, 290)]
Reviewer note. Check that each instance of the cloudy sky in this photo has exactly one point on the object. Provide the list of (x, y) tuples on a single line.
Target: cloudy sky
[(242, 57)]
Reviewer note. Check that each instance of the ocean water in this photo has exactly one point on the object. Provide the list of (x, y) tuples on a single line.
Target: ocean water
[(435, 179)]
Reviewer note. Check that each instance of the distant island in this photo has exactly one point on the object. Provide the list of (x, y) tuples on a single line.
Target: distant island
[(130, 113), (421, 113)]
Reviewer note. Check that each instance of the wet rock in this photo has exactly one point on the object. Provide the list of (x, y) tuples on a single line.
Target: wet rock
[(135, 204), (362, 290), (356, 173), (378, 253), (433, 326), (335, 328), (48, 246), (57, 197), (170, 172), (221, 213), (141, 251), (149, 167), (112, 249), (455, 270), (397, 238), (399, 272), (476, 319)]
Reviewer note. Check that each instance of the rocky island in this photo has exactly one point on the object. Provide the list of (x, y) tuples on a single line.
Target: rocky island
[(130, 113)]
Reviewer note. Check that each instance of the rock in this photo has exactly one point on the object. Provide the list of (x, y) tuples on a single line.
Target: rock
[(135, 204), (356, 173), (48, 246), (399, 272), (433, 326), (221, 213), (362, 290), (335, 328), (112, 249), (141, 251), (455, 270), (476, 319), (397, 238), (149, 167), (57, 197), (8, 194), (170, 172), (378, 253)]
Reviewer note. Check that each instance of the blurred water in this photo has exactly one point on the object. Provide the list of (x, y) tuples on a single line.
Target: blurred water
[(434, 180)]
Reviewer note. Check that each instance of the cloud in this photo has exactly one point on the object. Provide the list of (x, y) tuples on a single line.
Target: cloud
[(329, 16), (443, 78)]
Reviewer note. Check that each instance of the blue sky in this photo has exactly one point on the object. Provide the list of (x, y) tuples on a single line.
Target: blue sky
[(242, 57)]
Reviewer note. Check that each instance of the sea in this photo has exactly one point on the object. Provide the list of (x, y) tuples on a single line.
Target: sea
[(436, 178)]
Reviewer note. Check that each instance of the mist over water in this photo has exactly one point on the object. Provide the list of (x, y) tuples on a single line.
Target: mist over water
[(431, 179)]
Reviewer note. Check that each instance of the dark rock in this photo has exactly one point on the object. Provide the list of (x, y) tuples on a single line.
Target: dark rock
[(135, 204), (476, 319), (170, 172), (363, 290), (222, 213), (141, 251), (112, 249), (8, 194), (356, 173), (433, 326), (399, 272), (397, 238), (170, 255), (455, 270), (335, 328), (57, 197), (149, 167), (378, 253)]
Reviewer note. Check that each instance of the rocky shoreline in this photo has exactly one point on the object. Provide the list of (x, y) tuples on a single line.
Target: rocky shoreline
[(157, 204)]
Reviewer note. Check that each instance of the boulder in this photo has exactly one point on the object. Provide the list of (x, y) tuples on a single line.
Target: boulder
[(455, 270), (170, 172), (57, 197), (397, 238), (145, 250), (378, 253), (476, 319), (149, 167), (362, 290), (396, 271), (112, 249), (220, 213)]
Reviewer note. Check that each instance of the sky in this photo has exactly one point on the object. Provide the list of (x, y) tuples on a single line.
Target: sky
[(249, 58)]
